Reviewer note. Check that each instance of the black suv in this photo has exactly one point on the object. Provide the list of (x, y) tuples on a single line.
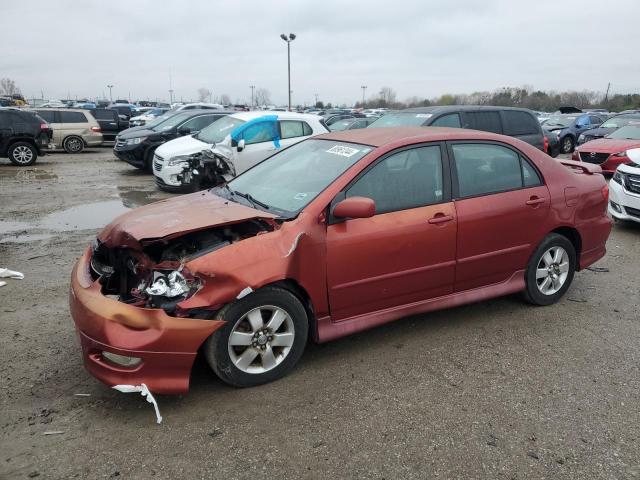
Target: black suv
[(110, 122), (23, 136), (514, 122), (137, 147)]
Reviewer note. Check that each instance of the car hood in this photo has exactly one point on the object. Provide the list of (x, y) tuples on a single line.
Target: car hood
[(598, 132), (174, 217), (144, 132), (608, 145), (181, 146)]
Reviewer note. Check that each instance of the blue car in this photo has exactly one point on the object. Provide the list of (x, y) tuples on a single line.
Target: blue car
[(568, 127)]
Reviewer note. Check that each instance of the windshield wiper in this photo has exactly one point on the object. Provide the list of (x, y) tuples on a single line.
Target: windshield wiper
[(248, 197)]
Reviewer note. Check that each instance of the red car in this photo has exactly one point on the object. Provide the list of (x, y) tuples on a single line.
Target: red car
[(610, 151), (334, 235)]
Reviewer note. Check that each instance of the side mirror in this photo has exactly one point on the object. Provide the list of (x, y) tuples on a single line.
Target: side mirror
[(240, 145), (184, 131), (355, 207)]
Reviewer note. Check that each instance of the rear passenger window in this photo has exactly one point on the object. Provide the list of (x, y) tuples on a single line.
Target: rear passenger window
[(449, 120), (72, 117), (485, 121), (485, 168), (519, 123), (408, 179), (595, 120), (47, 115), (101, 114), (292, 129)]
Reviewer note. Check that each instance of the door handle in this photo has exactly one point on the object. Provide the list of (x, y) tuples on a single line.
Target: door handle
[(535, 201), (440, 218)]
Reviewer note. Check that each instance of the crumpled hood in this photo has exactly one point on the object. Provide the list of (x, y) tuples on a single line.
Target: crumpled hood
[(186, 145), (175, 216), (130, 133), (608, 145)]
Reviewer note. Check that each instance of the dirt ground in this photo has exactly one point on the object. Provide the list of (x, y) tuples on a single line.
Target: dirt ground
[(496, 390)]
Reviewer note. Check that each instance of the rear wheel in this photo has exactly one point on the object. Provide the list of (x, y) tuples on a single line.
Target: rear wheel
[(550, 270), (73, 144), (566, 145), (22, 154), (263, 339)]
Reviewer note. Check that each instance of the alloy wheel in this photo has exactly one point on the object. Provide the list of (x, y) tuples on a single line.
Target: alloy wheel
[(74, 145), (22, 154), (261, 339), (552, 270)]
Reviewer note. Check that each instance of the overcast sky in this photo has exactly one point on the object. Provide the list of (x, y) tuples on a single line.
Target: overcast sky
[(418, 47)]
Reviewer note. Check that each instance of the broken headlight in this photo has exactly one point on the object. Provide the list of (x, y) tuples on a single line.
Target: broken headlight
[(173, 161), (170, 286)]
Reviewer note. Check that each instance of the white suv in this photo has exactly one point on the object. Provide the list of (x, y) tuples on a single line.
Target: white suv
[(624, 189), (170, 159)]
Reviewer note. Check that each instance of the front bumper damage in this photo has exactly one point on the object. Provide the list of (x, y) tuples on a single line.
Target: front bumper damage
[(165, 345)]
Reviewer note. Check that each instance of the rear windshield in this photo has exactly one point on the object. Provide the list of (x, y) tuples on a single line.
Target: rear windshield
[(630, 132), (401, 120)]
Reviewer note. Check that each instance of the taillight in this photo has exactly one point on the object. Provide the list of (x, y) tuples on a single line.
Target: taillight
[(96, 129), (605, 193), (43, 126), (546, 145)]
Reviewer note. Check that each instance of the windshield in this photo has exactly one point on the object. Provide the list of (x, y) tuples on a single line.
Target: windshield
[(218, 130), (341, 125), (288, 181), (630, 132), (559, 121), (401, 120), (171, 122), (617, 122)]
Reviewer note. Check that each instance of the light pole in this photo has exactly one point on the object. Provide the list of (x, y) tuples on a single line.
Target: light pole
[(110, 96), (363, 87), (171, 96), (316, 105), (252, 87), (289, 39)]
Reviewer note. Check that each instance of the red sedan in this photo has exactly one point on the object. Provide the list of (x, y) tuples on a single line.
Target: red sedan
[(610, 151), (334, 235)]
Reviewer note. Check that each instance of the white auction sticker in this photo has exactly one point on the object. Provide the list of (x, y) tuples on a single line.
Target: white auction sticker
[(343, 151), (424, 115)]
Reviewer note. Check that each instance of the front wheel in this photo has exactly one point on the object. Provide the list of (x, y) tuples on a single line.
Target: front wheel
[(263, 339), (550, 270), (73, 145), (22, 154)]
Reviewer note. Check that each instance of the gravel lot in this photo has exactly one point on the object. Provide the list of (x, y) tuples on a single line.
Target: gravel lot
[(493, 390)]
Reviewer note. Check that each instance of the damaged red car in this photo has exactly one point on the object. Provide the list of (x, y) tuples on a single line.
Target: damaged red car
[(331, 236)]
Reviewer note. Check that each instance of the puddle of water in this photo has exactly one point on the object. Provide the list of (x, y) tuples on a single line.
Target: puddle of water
[(137, 198), (83, 217)]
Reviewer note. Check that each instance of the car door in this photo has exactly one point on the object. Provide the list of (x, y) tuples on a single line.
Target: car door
[(501, 205), (5, 130), (582, 124), (406, 252), (483, 120), (52, 117), (259, 144), (293, 131)]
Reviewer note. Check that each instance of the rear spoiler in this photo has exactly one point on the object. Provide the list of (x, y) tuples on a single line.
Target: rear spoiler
[(582, 167)]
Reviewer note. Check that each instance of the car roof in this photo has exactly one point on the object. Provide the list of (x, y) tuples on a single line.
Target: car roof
[(246, 116), (379, 137), (58, 109), (457, 108), (200, 111)]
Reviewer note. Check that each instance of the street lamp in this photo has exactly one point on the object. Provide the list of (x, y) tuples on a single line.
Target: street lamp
[(110, 96), (252, 87), (363, 87), (289, 39)]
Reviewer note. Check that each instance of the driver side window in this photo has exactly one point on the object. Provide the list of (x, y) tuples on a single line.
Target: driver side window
[(408, 179), (258, 133)]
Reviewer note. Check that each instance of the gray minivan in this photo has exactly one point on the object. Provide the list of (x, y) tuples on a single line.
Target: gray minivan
[(514, 122)]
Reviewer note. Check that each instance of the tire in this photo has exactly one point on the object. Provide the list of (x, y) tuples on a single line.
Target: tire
[(73, 144), (22, 154), (250, 357), (567, 144), (148, 160), (550, 270)]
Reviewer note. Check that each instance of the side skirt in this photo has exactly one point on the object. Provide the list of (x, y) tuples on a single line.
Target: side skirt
[(328, 330)]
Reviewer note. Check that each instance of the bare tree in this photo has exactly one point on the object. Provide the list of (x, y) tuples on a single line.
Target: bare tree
[(387, 95), (204, 94), (225, 99), (8, 87), (263, 97)]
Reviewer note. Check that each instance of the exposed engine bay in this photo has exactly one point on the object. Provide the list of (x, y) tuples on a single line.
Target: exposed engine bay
[(206, 169), (156, 275)]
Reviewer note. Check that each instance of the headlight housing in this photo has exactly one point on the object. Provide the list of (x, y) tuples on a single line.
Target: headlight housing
[(170, 285), (617, 177), (581, 138), (178, 160), (620, 154), (136, 141)]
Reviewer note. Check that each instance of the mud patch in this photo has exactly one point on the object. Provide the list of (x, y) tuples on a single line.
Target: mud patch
[(14, 175)]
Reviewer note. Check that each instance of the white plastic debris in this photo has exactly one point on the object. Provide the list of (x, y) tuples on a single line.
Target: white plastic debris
[(144, 391), (244, 292), (2, 284), (6, 273), (54, 432)]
